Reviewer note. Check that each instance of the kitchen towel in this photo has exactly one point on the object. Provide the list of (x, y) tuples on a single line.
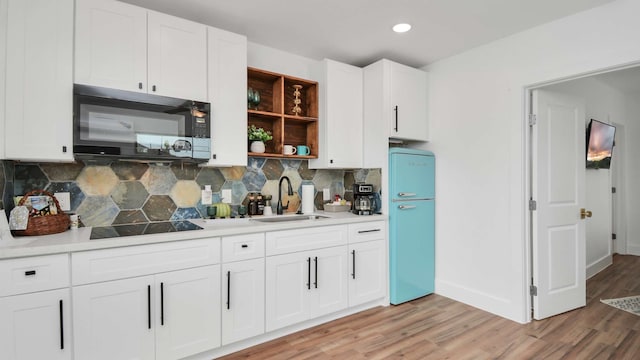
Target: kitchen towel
[(308, 192)]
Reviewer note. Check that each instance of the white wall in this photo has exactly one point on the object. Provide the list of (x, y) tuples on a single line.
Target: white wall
[(609, 105), (3, 50), (477, 125), (632, 168)]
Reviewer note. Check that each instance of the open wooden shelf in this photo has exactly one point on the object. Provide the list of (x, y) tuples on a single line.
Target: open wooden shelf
[(275, 113)]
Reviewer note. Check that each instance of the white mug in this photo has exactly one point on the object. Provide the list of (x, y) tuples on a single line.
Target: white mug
[(289, 150), (75, 221)]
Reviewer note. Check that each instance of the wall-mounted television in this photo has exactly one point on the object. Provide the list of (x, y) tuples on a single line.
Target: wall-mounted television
[(600, 141)]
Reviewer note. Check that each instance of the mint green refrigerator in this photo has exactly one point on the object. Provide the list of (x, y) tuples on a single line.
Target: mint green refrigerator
[(411, 224)]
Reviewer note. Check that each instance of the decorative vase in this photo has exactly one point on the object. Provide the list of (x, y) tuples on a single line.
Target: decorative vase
[(257, 147)]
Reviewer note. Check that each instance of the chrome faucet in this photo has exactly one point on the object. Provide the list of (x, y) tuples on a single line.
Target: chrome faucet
[(279, 207)]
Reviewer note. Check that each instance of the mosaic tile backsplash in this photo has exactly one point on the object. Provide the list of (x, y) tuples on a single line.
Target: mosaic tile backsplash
[(127, 193)]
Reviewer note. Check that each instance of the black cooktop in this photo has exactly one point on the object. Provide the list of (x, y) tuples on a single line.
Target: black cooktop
[(105, 232)]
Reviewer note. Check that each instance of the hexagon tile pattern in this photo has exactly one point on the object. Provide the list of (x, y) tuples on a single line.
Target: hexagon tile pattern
[(186, 193), (130, 217), (129, 171), (76, 195), (130, 195), (28, 178), (97, 180), (134, 193), (184, 171), (159, 208), (62, 172), (97, 211), (210, 176), (158, 180)]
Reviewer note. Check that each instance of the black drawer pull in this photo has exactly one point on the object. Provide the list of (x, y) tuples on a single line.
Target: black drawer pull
[(353, 254), (315, 260), (368, 231), (149, 306), (228, 290), (244, 246), (29, 273), (309, 273), (162, 303), (61, 326)]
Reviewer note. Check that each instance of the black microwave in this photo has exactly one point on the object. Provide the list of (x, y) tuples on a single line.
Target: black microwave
[(110, 123)]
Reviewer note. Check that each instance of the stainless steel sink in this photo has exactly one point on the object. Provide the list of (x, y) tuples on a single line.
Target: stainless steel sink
[(284, 218)]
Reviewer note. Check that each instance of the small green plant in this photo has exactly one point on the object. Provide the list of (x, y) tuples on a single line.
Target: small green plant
[(258, 134)]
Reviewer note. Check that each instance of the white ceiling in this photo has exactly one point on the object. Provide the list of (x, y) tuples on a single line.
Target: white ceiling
[(359, 31)]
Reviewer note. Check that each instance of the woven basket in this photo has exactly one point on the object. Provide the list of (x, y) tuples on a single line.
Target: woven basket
[(44, 225)]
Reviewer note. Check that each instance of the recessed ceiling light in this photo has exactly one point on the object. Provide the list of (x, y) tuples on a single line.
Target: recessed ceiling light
[(400, 28)]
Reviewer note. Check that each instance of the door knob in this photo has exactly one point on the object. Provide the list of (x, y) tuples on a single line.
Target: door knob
[(584, 213)]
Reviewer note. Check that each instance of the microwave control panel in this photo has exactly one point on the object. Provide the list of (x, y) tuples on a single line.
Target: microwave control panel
[(201, 127)]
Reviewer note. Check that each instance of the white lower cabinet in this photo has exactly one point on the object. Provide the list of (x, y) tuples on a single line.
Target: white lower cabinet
[(367, 272), (305, 285), (36, 326), (159, 301), (243, 300), (189, 316), (164, 316), (115, 320)]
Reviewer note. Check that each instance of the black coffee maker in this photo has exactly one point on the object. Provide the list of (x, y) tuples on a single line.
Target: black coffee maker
[(364, 201)]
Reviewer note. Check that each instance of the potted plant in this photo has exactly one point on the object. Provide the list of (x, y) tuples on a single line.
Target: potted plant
[(257, 137)]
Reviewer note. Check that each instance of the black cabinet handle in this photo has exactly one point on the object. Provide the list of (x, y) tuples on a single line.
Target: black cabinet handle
[(64, 149), (353, 257), (315, 260), (61, 326), (29, 273), (162, 304), (149, 306), (368, 231), (140, 85), (308, 273), (244, 246), (153, 88), (228, 290), (396, 110)]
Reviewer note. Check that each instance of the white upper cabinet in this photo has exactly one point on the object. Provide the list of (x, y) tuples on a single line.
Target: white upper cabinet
[(408, 100), (111, 45), (228, 97), (39, 60), (395, 107), (341, 116), (126, 47), (177, 57)]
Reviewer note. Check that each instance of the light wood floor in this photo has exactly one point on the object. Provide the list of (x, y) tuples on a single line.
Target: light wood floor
[(435, 327)]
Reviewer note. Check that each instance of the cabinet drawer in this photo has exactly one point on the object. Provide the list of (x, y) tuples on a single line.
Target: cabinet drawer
[(23, 275), (242, 247), (367, 231), (287, 241), (110, 264)]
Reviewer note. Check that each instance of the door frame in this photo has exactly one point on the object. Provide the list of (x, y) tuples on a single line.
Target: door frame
[(527, 136)]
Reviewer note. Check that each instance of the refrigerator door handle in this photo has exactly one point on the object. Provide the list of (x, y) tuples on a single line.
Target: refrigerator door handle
[(406, 207), (404, 194)]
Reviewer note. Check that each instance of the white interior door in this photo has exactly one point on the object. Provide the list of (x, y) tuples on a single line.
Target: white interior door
[(558, 187)]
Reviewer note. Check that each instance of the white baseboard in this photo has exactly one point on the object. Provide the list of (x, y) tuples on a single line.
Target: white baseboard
[(483, 301), (633, 249), (599, 265)]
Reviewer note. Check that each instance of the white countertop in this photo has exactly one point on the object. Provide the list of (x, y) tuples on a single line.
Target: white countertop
[(78, 240)]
